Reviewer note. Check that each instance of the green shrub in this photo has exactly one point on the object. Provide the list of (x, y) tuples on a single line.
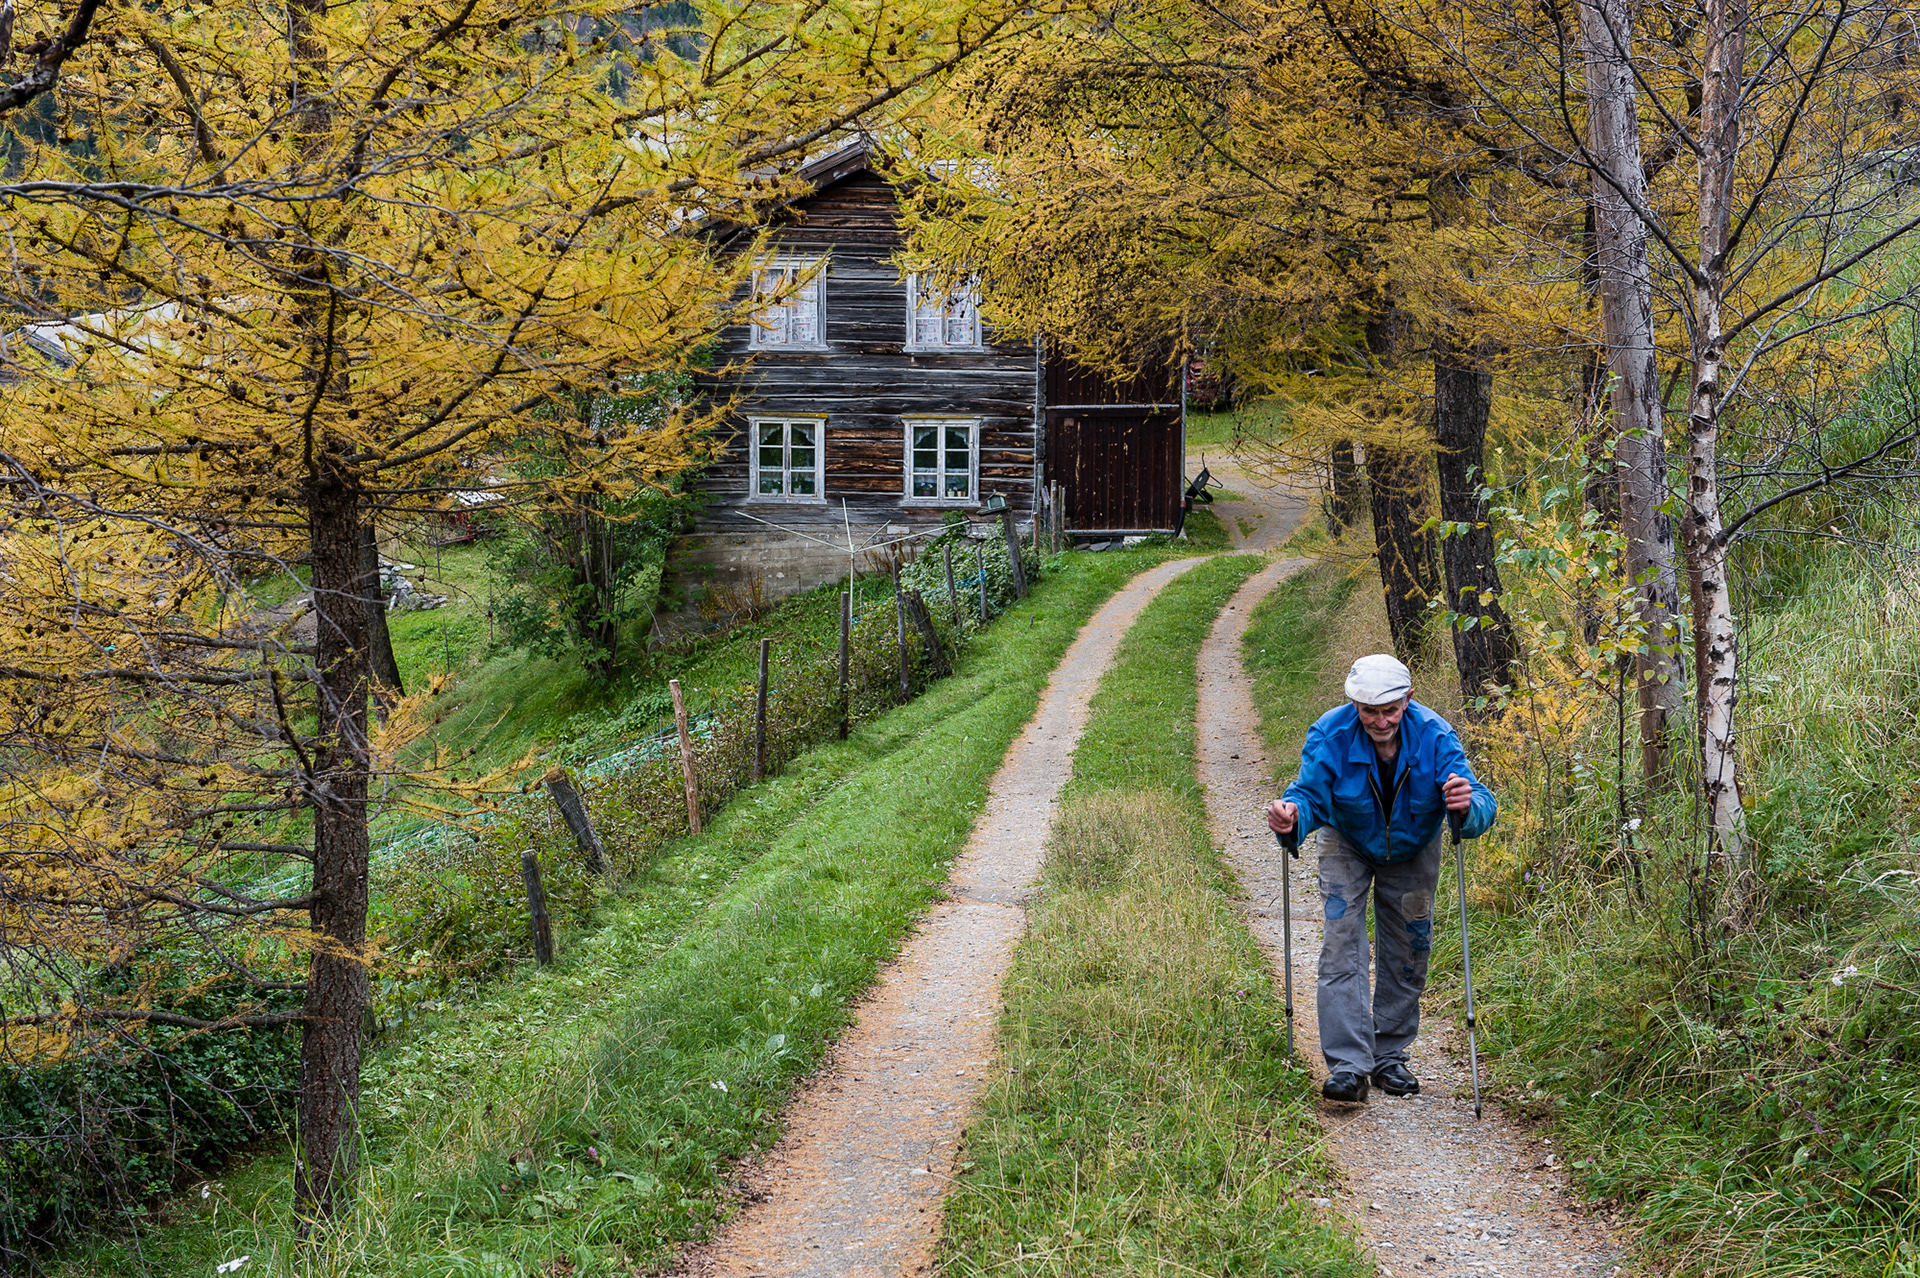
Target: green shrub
[(928, 573), (104, 1131)]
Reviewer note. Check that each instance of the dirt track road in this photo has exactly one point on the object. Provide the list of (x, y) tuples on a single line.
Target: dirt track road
[(854, 1187)]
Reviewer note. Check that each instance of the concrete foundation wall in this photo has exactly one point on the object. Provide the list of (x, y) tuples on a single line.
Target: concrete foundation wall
[(728, 564)]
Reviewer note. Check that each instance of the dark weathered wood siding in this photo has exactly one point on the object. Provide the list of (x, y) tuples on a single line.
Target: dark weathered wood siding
[(1120, 468), (865, 382)]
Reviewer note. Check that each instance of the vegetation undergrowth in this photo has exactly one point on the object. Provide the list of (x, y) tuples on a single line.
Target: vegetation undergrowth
[(1751, 1097), (1144, 1117), (586, 1115)]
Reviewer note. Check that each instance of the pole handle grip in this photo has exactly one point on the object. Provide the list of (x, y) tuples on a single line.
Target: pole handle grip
[(1291, 840), (1456, 821)]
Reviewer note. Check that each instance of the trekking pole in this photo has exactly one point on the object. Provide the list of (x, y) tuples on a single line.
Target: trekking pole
[(1290, 841), (1455, 821)]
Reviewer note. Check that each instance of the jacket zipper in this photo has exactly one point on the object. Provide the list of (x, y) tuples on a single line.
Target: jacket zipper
[(1373, 784)]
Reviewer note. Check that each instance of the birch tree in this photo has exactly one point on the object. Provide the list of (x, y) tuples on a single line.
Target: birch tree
[(1777, 242), (1637, 431)]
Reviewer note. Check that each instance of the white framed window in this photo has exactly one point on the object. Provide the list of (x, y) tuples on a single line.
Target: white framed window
[(794, 316), (786, 458), (943, 460), (941, 319)]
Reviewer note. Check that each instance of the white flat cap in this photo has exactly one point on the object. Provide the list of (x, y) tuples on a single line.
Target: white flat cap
[(1378, 679)]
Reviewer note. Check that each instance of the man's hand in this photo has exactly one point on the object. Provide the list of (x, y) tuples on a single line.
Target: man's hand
[(1458, 792), (1282, 816)]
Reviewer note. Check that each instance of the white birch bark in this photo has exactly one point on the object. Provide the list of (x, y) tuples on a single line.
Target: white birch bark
[(1716, 650), (1626, 317)]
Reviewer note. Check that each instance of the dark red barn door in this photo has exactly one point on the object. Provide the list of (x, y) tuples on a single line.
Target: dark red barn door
[(1121, 468)]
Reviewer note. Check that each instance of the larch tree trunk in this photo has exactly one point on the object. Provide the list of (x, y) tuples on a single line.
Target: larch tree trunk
[(1484, 650), (1399, 484), (1398, 480), (1715, 633), (1626, 318), (385, 666), (338, 764), (1348, 499), (337, 787)]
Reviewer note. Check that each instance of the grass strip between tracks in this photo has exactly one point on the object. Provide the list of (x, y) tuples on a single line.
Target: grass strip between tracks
[(1143, 1117)]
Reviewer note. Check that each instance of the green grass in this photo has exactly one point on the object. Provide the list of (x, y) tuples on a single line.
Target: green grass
[(1227, 431), (732, 961), (1144, 1117)]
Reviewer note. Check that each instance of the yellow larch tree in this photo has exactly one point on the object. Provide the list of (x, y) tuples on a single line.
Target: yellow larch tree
[(278, 272)]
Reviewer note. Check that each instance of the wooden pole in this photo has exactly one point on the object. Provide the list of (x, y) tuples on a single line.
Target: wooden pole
[(900, 637), (760, 718), (686, 757), (1059, 517), (537, 910), (846, 630), (953, 596), (923, 622), (980, 566), (567, 798), (1013, 553)]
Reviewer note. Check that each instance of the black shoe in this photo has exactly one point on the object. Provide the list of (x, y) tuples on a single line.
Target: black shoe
[(1396, 1079), (1345, 1085)]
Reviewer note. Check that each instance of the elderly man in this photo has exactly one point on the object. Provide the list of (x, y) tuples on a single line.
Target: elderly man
[(1377, 778)]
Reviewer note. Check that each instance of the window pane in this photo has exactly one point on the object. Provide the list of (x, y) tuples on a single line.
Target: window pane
[(770, 482), (926, 484), (771, 458), (802, 481), (957, 484), (770, 432), (959, 440), (926, 331), (806, 326), (801, 458), (773, 326), (802, 432), (926, 437), (960, 330)]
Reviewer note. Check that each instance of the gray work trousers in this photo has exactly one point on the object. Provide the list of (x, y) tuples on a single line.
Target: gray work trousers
[(1357, 1032)]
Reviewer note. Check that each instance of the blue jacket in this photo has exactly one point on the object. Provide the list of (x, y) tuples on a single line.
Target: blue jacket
[(1338, 778)]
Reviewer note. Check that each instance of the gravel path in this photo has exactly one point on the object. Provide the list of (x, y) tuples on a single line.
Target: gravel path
[(854, 1187), (1433, 1191), (1269, 511)]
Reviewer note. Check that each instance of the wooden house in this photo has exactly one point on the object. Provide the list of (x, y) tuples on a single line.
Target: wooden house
[(871, 406)]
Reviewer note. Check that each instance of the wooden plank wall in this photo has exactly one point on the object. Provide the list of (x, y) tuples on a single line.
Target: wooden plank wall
[(1121, 468), (866, 380)]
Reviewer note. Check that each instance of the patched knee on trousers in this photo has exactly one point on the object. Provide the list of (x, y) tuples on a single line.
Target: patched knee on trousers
[(1422, 932), (1417, 905), (1336, 904)]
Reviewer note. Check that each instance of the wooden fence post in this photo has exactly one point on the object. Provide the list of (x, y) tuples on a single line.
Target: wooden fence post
[(760, 718), (1013, 553), (846, 629), (1059, 516), (537, 910), (953, 596), (574, 812), (980, 567), (923, 622), (686, 757), (900, 637)]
